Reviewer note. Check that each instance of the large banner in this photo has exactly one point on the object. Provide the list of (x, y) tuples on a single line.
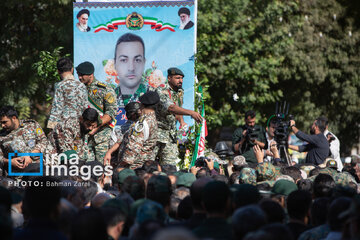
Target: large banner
[(132, 44)]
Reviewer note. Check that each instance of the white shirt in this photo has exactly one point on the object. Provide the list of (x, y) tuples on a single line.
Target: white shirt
[(335, 150)]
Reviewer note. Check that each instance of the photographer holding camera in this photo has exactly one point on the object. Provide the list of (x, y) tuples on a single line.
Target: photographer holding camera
[(318, 145), (247, 136)]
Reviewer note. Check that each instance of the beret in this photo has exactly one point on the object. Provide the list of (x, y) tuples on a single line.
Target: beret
[(149, 98), (184, 10), (82, 12), (175, 71), (85, 68)]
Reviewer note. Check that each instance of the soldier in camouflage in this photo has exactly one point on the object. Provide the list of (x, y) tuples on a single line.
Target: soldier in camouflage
[(70, 99), (102, 98), (167, 113), (23, 136), (143, 135), (119, 136), (73, 134)]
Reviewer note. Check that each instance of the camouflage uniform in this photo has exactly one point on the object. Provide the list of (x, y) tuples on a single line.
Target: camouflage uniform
[(102, 98), (248, 176), (67, 136), (167, 149), (70, 100), (27, 138), (266, 171), (141, 141), (123, 99)]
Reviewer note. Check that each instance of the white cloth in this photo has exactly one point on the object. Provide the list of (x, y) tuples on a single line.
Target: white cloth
[(335, 150)]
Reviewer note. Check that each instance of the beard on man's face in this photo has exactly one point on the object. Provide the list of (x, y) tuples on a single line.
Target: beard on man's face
[(83, 129)]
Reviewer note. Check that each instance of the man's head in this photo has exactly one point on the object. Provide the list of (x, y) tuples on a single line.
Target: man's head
[(9, 118), (89, 120), (271, 129), (64, 65), (133, 110), (184, 14), (318, 126), (85, 72), (150, 99), (130, 60), (250, 118), (83, 17), (175, 78)]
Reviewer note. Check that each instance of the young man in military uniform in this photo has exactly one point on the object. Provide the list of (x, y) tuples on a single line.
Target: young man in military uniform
[(70, 99), (73, 134), (167, 113), (23, 136), (143, 135), (102, 98)]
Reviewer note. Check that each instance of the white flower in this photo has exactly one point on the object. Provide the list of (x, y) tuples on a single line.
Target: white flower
[(280, 19), (306, 17), (320, 34), (235, 97), (350, 33), (290, 34), (334, 16)]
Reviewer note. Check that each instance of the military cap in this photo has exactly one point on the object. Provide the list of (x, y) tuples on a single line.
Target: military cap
[(123, 174), (85, 68), (344, 179), (82, 12), (185, 180), (284, 187), (132, 107), (149, 98), (239, 161), (329, 171), (175, 71), (184, 10), (247, 175), (266, 171), (285, 177)]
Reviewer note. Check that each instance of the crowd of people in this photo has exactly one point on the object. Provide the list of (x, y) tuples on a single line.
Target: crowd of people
[(132, 188)]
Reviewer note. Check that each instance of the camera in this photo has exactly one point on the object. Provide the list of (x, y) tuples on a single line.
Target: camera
[(251, 133)]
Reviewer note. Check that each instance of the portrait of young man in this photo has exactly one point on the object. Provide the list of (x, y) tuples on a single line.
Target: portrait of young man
[(129, 64)]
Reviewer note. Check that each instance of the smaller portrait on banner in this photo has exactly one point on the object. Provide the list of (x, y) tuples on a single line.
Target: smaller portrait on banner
[(185, 21), (83, 17)]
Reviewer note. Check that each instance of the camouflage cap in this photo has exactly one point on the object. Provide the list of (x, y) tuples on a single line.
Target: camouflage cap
[(150, 210), (285, 177), (247, 175), (123, 174), (328, 171), (307, 169), (175, 71), (85, 68), (239, 161), (344, 179), (265, 171), (283, 187), (185, 180)]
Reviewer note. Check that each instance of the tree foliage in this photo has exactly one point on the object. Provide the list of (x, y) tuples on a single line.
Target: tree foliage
[(29, 28), (268, 51)]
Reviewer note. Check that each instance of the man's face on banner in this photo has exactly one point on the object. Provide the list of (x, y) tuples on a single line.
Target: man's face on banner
[(184, 18), (130, 63), (83, 19)]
